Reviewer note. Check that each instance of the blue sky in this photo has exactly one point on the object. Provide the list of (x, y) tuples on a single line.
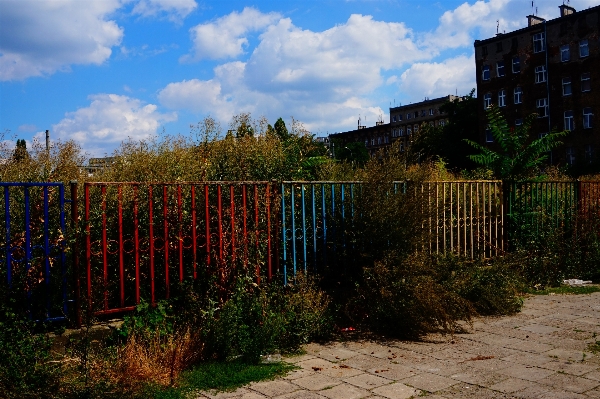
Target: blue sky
[(102, 71)]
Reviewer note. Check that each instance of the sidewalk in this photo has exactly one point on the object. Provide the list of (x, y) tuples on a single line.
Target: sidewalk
[(538, 353)]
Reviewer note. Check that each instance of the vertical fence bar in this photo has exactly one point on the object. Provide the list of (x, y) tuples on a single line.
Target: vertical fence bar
[(284, 233), (75, 254), (46, 250), (314, 226), (180, 231), (121, 261), (269, 254), (324, 221), (293, 222), (88, 246), (8, 244), (257, 230), (232, 212), (151, 243), (194, 232), (104, 247), (303, 225), (220, 227), (136, 240), (207, 222), (166, 238)]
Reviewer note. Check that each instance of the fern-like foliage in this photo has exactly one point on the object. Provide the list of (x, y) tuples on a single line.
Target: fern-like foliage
[(519, 156)]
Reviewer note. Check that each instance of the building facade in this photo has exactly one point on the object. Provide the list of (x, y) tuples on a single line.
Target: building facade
[(551, 68), (405, 121)]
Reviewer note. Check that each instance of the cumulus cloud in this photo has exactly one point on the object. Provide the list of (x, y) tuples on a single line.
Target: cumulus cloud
[(225, 37), (174, 10), (42, 37), (109, 120), (431, 79)]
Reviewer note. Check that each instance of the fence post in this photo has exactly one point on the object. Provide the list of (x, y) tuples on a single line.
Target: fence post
[(506, 213), (74, 223)]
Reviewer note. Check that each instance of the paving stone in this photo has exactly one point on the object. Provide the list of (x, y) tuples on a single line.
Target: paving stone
[(394, 371), (477, 377), (530, 346), (528, 359), (316, 382), (367, 381), (315, 364), (336, 354), (574, 368), (570, 383), (251, 395), (467, 391), (544, 392), (528, 373), (429, 382), (300, 395), (567, 354), (452, 354), (594, 375), (441, 367), (298, 359), (511, 385), (298, 373), (273, 388), (493, 364), (340, 371), (396, 390), (345, 391), (365, 362), (498, 340), (225, 395), (539, 328)]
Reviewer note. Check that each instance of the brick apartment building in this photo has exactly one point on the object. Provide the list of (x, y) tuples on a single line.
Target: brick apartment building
[(551, 68), (405, 120)]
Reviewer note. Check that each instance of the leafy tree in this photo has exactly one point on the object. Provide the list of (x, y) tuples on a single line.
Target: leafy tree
[(519, 156), (447, 142), (280, 130), (355, 152), (20, 152)]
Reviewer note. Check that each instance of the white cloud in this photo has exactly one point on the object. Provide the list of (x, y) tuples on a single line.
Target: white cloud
[(42, 37), (225, 37), (109, 120), (439, 79), (174, 10)]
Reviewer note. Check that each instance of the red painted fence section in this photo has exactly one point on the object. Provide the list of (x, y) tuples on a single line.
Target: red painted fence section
[(142, 239)]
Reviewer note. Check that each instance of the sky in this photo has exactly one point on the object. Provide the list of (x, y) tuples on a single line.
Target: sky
[(104, 71)]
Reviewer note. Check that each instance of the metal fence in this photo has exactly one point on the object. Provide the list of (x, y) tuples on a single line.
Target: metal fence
[(34, 246), (136, 241)]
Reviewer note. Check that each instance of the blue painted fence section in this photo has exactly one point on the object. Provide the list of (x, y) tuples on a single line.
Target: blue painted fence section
[(33, 248)]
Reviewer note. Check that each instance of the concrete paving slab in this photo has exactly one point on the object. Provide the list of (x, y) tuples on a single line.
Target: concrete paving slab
[(539, 328), (574, 368), (341, 371), (336, 354), (345, 391), (594, 375), (298, 373), (511, 385), (316, 382), (394, 371), (396, 390), (528, 359), (365, 362), (568, 354), (467, 391), (300, 395), (570, 383), (529, 373), (478, 377), (538, 391), (429, 382), (367, 381), (225, 395), (273, 388)]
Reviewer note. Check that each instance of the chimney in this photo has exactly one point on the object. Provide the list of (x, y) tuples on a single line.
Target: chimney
[(534, 20), (566, 10)]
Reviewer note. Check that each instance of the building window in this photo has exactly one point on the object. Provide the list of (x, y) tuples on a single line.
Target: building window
[(566, 86), (518, 94), (502, 98), (484, 51), (443, 122), (401, 131), (588, 118), (500, 69), (416, 114), (399, 117), (538, 42), (485, 72), (586, 83), (423, 112), (487, 100), (540, 74), (584, 49), (408, 131), (519, 122), (394, 118), (565, 53), (408, 116), (569, 122), (542, 107), (402, 146), (570, 155), (430, 111), (416, 129), (387, 139), (516, 65), (489, 138), (589, 153), (366, 143)]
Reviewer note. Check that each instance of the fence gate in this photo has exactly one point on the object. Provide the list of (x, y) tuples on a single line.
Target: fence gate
[(33, 248)]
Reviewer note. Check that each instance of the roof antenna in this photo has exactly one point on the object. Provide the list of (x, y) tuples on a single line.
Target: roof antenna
[(497, 25)]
